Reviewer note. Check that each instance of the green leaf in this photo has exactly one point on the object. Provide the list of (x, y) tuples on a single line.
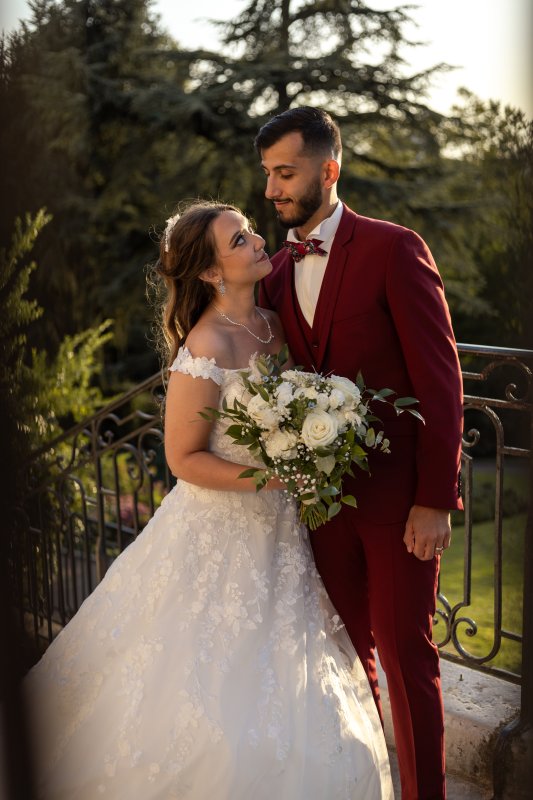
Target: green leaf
[(349, 500), (235, 431), (329, 491), (382, 394), (248, 439), (333, 510), (405, 401), (263, 392), (416, 414), (359, 382), (248, 473), (325, 464), (370, 437), (323, 452), (283, 355)]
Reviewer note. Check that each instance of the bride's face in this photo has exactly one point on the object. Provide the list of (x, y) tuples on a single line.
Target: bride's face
[(240, 252)]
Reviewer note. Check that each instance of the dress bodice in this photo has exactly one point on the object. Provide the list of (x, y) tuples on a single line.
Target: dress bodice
[(231, 389)]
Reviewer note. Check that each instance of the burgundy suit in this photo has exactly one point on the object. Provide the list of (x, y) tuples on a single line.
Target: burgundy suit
[(382, 310)]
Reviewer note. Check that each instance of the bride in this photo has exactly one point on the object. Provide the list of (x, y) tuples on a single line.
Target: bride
[(209, 663)]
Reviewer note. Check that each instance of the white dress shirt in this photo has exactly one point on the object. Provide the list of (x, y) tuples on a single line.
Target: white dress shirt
[(309, 272)]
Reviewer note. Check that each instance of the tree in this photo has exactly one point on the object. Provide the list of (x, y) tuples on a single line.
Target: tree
[(340, 54), (81, 86), (490, 173)]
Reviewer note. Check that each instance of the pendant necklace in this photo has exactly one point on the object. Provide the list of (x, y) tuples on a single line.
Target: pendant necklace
[(241, 325)]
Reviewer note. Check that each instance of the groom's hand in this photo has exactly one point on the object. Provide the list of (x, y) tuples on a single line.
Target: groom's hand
[(427, 532)]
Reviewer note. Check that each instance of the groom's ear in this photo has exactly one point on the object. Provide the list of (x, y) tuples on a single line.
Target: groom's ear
[(331, 172)]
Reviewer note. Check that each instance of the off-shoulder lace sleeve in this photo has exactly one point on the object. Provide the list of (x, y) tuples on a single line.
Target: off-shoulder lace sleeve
[(199, 367)]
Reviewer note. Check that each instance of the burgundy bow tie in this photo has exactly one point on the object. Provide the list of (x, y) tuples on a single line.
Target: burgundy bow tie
[(299, 250)]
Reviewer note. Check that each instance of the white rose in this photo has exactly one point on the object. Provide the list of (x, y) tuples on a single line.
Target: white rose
[(261, 412), (319, 429), (347, 387), (281, 444), (311, 393)]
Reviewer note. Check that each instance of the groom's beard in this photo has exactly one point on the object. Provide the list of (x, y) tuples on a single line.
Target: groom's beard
[(304, 208)]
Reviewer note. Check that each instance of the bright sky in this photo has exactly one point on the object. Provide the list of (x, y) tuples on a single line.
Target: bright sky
[(488, 40)]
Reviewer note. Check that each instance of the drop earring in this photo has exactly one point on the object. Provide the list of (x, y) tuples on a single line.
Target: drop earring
[(221, 288)]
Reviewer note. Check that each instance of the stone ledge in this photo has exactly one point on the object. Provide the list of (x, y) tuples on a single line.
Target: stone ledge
[(476, 707)]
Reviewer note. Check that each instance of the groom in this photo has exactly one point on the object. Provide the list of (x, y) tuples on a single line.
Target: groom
[(353, 294)]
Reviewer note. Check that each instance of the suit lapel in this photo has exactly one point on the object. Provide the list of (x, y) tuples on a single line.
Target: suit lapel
[(332, 281)]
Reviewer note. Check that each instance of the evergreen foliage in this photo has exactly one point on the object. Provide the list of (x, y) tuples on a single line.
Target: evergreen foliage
[(110, 122), (41, 395)]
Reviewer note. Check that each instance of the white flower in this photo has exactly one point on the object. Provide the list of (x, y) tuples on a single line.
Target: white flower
[(352, 418), (254, 376), (319, 429), (322, 400), (342, 419), (336, 398), (284, 394), (310, 392), (262, 413), (235, 391), (293, 376), (281, 444), (347, 387)]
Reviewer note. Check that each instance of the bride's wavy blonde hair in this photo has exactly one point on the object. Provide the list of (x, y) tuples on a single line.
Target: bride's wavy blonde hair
[(186, 249)]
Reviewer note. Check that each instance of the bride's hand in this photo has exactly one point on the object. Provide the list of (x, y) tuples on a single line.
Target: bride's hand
[(275, 484)]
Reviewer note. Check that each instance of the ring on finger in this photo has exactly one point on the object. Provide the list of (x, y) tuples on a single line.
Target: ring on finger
[(439, 549)]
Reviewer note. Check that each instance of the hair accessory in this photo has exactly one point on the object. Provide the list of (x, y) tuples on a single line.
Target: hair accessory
[(171, 221), (221, 288)]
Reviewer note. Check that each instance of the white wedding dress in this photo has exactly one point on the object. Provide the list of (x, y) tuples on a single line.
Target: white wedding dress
[(209, 663)]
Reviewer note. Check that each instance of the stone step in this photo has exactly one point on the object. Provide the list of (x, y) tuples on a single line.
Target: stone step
[(476, 707), (456, 788)]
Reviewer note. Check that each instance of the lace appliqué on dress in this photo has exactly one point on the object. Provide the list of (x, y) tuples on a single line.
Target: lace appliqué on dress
[(198, 367)]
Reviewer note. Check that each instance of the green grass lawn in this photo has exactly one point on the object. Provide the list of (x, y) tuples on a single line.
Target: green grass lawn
[(481, 608)]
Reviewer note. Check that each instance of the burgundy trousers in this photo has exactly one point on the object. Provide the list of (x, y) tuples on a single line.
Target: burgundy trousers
[(386, 598)]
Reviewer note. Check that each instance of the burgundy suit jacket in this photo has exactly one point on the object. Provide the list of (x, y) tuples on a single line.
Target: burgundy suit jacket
[(382, 311)]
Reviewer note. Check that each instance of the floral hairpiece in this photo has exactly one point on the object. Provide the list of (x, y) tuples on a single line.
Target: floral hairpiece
[(171, 221)]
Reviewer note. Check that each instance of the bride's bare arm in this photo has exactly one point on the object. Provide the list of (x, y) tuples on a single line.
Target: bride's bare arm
[(187, 438)]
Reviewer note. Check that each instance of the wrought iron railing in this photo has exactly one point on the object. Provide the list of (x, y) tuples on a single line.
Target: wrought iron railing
[(92, 490)]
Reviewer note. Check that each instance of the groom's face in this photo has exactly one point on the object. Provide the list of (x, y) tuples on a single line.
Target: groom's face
[(295, 181)]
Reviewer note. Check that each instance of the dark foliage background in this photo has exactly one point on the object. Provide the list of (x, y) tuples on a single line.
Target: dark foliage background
[(109, 123)]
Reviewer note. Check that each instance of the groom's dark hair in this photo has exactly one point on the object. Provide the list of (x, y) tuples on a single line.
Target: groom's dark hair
[(320, 133)]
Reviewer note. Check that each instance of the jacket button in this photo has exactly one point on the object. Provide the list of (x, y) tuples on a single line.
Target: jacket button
[(315, 346)]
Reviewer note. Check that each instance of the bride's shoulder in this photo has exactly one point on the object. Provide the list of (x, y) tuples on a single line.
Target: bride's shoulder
[(205, 341)]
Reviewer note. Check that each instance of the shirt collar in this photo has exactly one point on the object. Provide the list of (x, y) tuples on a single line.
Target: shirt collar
[(325, 230)]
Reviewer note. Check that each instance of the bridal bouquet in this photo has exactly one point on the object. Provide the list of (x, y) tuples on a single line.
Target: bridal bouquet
[(308, 430)]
